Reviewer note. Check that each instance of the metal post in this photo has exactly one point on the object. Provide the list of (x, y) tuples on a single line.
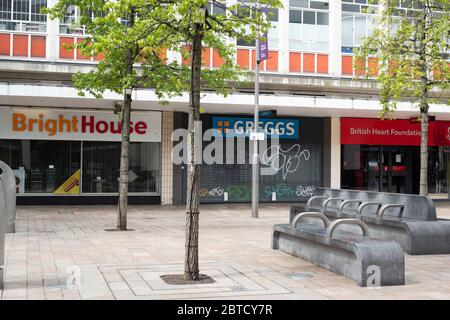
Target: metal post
[(255, 165)]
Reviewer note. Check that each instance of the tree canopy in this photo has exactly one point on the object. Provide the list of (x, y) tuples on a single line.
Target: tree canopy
[(151, 29), (412, 45)]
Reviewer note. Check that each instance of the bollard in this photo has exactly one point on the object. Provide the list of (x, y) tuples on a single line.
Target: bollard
[(9, 186), (2, 231)]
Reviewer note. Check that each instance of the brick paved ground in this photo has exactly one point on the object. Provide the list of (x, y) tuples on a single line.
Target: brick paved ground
[(235, 250)]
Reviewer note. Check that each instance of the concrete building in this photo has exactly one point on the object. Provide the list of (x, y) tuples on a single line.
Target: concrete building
[(64, 148)]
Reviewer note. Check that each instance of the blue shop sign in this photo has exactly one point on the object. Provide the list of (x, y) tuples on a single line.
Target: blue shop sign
[(241, 127)]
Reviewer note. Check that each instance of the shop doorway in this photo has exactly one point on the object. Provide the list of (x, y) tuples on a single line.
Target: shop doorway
[(396, 169), (379, 168)]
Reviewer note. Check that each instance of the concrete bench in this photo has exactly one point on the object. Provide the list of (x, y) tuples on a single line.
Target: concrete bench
[(368, 261), (9, 184), (2, 231), (410, 220)]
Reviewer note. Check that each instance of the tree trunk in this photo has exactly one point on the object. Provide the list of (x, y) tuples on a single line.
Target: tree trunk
[(191, 269), (124, 164), (425, 64), (125, 144), (424, 154)]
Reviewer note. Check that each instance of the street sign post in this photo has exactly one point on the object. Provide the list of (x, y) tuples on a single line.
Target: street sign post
[(262, 53)]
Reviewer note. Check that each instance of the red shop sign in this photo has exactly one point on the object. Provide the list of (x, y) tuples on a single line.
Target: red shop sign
[(392, 132)]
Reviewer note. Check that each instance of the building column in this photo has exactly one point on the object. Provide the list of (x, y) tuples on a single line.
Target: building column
[(166, 160), (335, 153), (52, 42), (335, 38), (283, 38)]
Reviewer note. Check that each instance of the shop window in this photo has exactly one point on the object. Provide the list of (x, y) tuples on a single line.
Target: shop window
[(56, 167), (101, 167), (438, 166), (50, 167)]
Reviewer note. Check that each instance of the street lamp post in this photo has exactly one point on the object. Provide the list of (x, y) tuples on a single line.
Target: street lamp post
[(255, 164)]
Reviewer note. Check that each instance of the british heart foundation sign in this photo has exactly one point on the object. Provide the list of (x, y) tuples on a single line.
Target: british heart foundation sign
[(392, 132)]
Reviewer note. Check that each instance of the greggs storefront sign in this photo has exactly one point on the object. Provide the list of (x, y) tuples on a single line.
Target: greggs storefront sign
[(49, 124), (392, 132)]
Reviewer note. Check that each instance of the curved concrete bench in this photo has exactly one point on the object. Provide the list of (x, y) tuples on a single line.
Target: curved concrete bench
[(410, 220), (2, 231), (352, 255)]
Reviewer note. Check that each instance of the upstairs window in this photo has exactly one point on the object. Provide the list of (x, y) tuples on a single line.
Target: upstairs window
[(358, 21), (272, 36), (23, 15), (309, 25)]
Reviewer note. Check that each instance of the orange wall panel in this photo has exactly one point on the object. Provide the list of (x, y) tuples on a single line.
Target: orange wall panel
[(80, 56), (20, 45), (218, 61), (5, 44), (253, 52), (99, 57), (360, 67), (187, 61), (295, 61), (272, 62), (63, 52), (347, 65), (309, 62), (243, 56), (372, 66), (322, 63), (38, 46), (206, 57)]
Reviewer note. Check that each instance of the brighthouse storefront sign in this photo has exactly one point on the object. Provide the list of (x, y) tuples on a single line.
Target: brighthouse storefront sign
[(241, 127), (49, 124)]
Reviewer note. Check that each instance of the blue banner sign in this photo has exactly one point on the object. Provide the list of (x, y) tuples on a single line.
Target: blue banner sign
[(241, 127)]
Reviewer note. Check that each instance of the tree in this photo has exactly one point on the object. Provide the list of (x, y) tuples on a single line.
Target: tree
[(183, 26), (130, 46), (198, 24), (412, 46)]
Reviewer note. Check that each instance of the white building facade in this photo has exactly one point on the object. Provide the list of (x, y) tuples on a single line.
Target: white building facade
[(65, 148)]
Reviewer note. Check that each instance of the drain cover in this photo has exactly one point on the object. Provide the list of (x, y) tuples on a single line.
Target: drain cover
[(300, 275), (63, 211)]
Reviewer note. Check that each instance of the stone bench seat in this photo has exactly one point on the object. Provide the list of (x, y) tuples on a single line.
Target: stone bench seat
[(409, 220), (353, 255)]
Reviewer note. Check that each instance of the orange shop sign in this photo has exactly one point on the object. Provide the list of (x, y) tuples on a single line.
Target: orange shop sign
[(51, 124)]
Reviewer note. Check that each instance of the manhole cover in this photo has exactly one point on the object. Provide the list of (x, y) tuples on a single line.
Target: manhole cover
[(300, 275), (58, 285), (65, 211)]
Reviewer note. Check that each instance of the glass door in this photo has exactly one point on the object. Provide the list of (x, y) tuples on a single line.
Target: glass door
[(395, 170)]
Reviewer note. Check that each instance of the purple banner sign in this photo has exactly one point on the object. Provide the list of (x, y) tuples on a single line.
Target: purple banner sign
[(263, 49)]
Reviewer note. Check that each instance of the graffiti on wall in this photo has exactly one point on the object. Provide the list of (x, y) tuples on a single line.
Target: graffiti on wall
[(284, 161), (244, 192)]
